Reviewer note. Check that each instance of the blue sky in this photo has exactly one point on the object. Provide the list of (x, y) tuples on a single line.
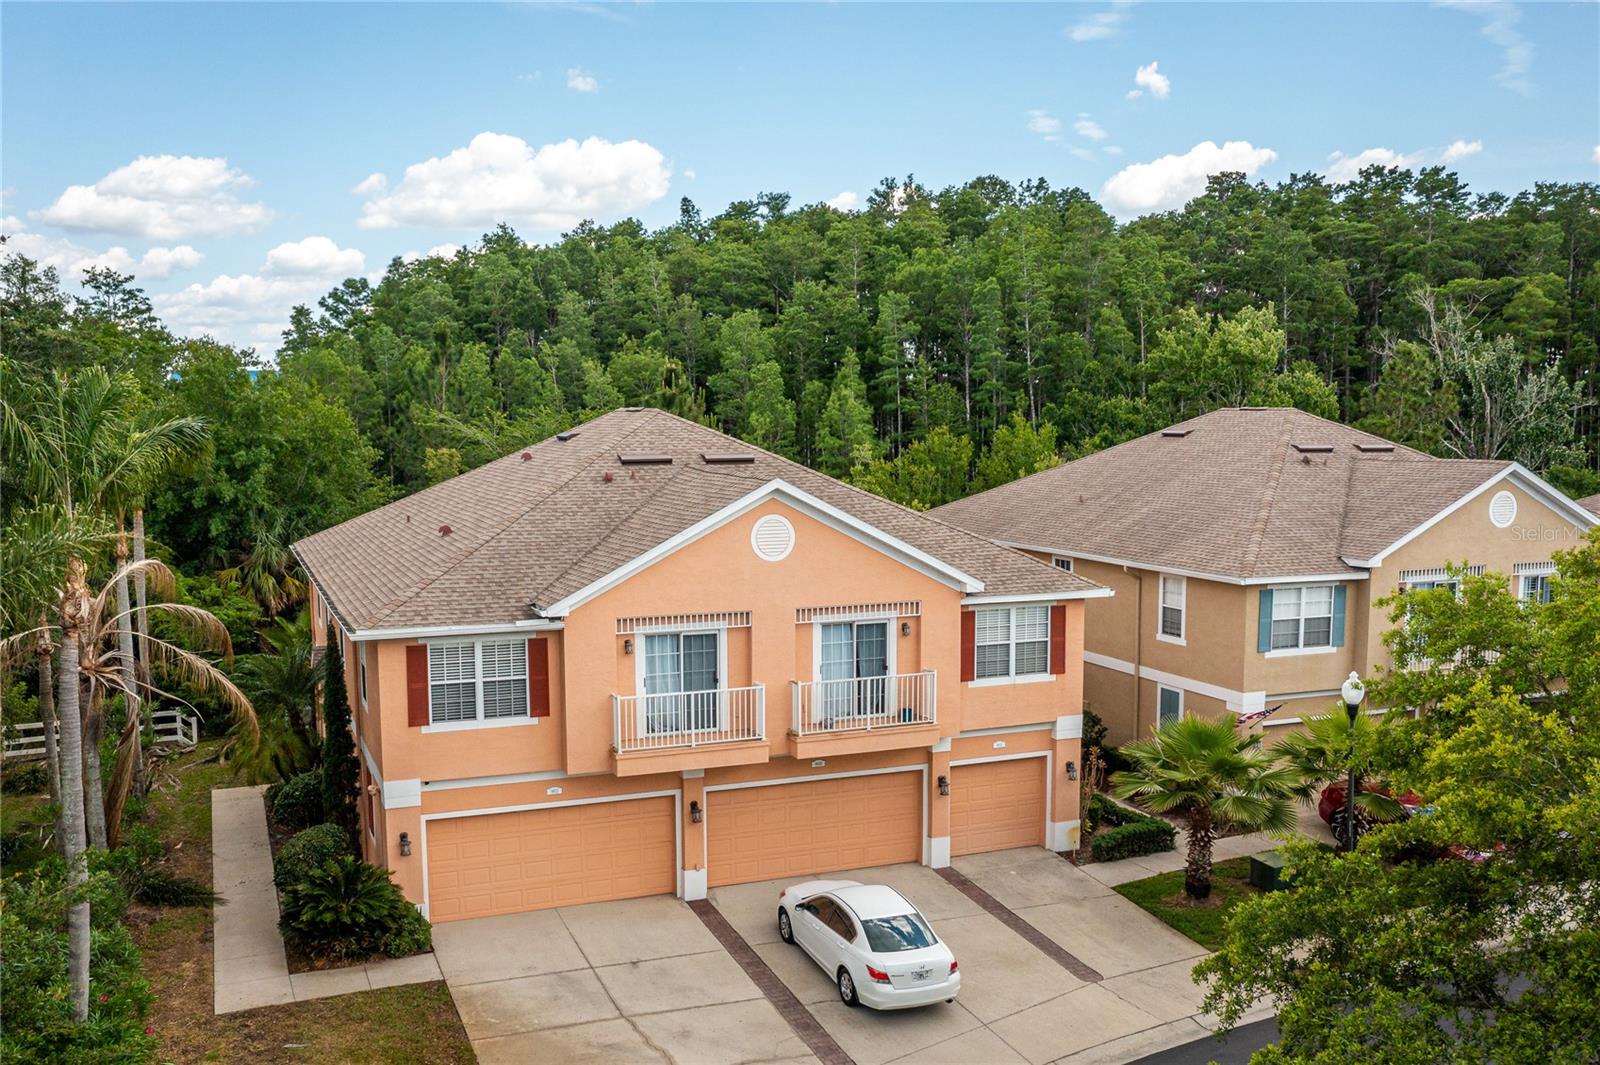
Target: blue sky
[(214, 150)]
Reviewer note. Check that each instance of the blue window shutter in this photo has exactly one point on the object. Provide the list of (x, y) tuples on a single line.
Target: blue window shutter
[(1264, 628), (1338, 615)]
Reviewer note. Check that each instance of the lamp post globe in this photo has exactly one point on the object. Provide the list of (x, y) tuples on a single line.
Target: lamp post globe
[(1353, 692)]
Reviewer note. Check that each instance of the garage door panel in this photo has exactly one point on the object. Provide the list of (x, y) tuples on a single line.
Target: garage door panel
[(536, 859), (784, 830), (997, 805)]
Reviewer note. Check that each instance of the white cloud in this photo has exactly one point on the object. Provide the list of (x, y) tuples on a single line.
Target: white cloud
[(161, 197), (252, 310), (71, 259), (1149, 79), (1344, 168), (501, 178), (1101, 24), (1081, 152), (845, 201), (1112, 149), (1596, 155), (690, 174), (578, 81), (313, 257), (444, 251), (1044, 124), (1088, 127), (372, 185), (1500, 20), (1171, 181)]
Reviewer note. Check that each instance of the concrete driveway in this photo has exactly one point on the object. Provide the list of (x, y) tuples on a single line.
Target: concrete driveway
[(615, 982), (1018, 1003)]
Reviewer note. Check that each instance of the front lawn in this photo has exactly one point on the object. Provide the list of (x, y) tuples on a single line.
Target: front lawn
[(413, 1024), (1204, 922)]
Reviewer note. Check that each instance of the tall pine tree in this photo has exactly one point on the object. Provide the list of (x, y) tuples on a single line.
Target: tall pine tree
[(341, 773)]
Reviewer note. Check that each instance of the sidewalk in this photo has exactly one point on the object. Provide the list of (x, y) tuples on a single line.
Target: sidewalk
[(1124, 870), (249, 966)]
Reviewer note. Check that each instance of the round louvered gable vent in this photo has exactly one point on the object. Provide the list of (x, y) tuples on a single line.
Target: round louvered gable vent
[(772, 537), (1502, 509)]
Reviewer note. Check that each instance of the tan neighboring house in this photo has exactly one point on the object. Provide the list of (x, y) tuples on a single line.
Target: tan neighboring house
[(1591, 504), (1247, 549)]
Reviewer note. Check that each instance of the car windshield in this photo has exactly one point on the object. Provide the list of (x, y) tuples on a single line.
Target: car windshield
[(887, 935)]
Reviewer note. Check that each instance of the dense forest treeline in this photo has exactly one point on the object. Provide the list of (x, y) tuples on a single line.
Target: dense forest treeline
[(927, 345)]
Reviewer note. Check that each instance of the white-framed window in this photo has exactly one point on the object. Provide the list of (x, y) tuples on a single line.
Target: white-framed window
[(1011, 641), (1174, 592), (1169, 705), (1062, 562), (482, 680), (1302, 617), (680, 677), (1533, 581)]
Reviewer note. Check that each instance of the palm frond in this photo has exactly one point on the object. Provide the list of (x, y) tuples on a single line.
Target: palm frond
[(196, 672)]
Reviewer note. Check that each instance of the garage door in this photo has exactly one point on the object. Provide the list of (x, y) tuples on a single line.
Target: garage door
[(535, 859), (786, 830), (997, 805)]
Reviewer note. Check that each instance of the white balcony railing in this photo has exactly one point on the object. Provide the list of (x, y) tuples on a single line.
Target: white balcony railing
[(864, 703), (688, 719)]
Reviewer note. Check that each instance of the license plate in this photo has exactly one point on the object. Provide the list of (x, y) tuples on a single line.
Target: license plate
[(922, 975)]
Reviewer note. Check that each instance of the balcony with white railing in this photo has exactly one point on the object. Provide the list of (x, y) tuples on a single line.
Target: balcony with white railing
[(686, 730), (900, 709)]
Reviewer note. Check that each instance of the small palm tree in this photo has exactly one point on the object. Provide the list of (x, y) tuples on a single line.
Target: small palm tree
[(1208, 772), (1325, 753), (283, 687)]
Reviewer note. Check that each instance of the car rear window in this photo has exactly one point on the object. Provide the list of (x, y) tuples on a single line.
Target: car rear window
[(886, 935)]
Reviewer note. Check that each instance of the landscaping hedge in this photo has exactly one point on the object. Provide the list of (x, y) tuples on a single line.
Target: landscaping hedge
[(348, 909), (297, 802), (305, 851), (1132, 833)]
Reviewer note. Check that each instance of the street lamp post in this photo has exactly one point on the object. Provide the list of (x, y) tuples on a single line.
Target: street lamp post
[(1353, 692)]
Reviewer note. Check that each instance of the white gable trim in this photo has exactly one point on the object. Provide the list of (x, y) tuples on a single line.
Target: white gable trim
[(1038, 597), (1523, 477), (800, 500)]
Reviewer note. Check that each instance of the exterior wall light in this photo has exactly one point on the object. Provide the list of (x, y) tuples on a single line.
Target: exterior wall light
[(627, 647), (695, 815), (1072, 770), (405, 844), (944, 785), (905, 628)]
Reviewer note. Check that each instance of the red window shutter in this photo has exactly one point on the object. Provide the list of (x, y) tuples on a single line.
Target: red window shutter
[(539, 678), (1058, 638), (416, 685), (969, 645)]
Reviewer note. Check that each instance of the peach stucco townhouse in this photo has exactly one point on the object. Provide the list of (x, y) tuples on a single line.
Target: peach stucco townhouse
[(1249, 550), (643, 657)]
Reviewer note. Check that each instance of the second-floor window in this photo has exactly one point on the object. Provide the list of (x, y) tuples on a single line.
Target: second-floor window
[(1534, 587), (1063, 562), (485, 680), (681, 678), (1174, 596), (1302, 617), (1012, 641)]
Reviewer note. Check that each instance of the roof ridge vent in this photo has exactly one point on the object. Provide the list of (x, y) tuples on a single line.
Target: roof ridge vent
[(1313, 449), (1375, 449), (644, 458), (568, 435), (726, 458), (1176, 434)]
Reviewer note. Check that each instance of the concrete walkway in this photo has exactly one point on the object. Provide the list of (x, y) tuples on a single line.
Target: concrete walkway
[(249, 966)]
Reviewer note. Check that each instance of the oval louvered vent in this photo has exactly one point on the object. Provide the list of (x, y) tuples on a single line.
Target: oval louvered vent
[(1502, 509), (772, 537)]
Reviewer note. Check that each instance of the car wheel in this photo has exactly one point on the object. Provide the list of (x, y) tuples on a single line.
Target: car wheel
[(847, 988), (785, 930)]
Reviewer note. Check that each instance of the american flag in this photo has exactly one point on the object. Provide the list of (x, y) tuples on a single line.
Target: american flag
[(1249, 719)]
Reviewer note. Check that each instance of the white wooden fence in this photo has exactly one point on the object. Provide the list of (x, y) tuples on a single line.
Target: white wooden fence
[(173, 728)]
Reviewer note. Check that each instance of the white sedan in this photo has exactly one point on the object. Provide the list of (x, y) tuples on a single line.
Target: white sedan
[(876, 946)]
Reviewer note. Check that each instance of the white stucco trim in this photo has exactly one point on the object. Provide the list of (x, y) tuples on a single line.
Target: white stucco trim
[(694, 884), (942, 747), (1240, 702), (1097, 592), (401, 794), (1061, 835), (1068, 727), (937, 849), (1006, 730)]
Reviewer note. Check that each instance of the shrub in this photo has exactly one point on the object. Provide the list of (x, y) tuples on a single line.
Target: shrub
[(297, 802), (137, 866), (306, 851), (1094, 730), (1145, 836), (351, 910), (28, 779), (38, 1011)]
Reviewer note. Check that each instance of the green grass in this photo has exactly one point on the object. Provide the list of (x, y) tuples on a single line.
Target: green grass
[(184, 815), (1204, 922)]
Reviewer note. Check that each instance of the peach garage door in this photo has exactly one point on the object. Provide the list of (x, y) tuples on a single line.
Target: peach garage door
[(535, 859), (783, 830), (997, 805)]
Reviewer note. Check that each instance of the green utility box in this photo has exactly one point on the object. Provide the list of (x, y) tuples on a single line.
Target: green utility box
[(1266, 871)]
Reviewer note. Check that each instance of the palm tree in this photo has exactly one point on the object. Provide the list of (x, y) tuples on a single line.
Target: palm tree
[(1326, 751), (267, 571), (283, 686), (1206, 771)]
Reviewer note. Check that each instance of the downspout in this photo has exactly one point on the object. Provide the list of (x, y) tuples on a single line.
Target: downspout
[(1138, 646)]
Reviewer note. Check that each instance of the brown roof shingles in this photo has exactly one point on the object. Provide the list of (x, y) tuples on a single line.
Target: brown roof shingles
[(1234, 497), (1591, 504), (526, 533)]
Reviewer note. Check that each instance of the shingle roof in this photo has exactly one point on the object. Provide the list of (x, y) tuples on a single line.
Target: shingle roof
[(539, 524), (1591, 504), (1241, 493)]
